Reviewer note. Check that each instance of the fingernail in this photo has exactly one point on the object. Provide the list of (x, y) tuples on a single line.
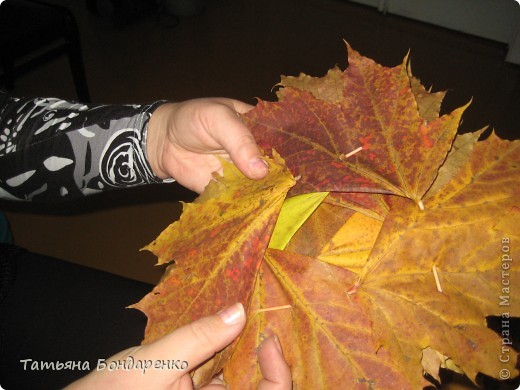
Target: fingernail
[(277, 343), (233, 315), (258, 165)]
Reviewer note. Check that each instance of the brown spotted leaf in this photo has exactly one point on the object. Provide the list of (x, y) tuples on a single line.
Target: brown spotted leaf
[(217, 218), (370, 328), (326, 335), (371, 205), (372, 288), (457, 233), (327, 88), (379, 112), (342, 230), (217, 246), (351, 245), (319, 229), (428, 103), (432, 361), (458, 155)]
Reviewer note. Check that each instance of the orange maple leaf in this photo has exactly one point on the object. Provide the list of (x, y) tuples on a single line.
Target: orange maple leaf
[(395, 271), (401, 151), (217, 246)]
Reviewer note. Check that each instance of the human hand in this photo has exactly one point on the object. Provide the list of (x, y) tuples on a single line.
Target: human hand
[(197, 342), (184, 140)]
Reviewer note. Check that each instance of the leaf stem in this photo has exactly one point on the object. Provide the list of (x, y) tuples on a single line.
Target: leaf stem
[(275, 308), (437, 281), (343, 157)]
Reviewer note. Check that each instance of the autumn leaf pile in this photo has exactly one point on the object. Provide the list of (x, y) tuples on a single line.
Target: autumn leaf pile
[(374, 248)]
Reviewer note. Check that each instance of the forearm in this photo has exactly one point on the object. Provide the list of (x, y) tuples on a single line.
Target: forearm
[(54, 149)]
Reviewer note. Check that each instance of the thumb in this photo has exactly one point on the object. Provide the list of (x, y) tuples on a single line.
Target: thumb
[(193, 343), (201, 339), (238, 141)]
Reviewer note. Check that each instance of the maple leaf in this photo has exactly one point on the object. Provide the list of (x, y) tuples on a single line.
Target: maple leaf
[(319, 229), (364, 287), (379, 112), (328, 88), (395, 310), (433, 360), (342, 230), (457, 157), (458, 236), (428, 103), (325, 335), (217, 246), (295, 212)]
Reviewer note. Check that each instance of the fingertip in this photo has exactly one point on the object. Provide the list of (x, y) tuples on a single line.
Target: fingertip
[(277, 344), (274, 368), (233, 315), (258, 168), (242, 107), (271, 347)]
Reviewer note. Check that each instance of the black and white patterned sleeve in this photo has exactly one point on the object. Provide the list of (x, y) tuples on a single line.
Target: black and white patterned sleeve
[(54, 149)]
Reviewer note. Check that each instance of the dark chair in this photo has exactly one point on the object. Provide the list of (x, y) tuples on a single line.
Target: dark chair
[(32, 33)]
